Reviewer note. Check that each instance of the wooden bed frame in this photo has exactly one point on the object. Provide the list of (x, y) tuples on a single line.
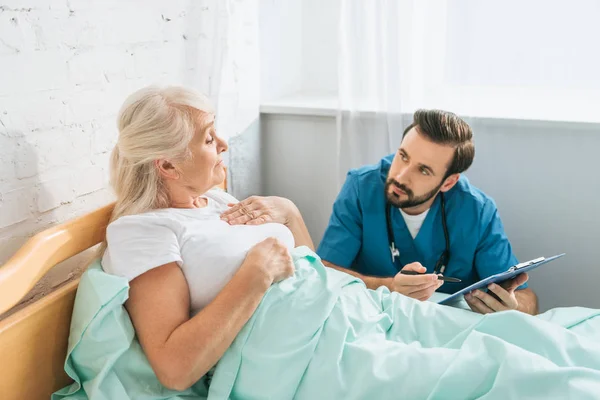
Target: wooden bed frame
[(33, 340)]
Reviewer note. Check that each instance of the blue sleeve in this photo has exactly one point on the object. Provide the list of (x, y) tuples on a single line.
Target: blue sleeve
[(343, 237), (494, 253)]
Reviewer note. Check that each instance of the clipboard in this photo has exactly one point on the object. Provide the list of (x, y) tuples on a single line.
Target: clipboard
[(501, 277)]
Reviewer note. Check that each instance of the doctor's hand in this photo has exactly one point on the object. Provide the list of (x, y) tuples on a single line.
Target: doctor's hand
[(256, 210), (499, 297), (420, 287)]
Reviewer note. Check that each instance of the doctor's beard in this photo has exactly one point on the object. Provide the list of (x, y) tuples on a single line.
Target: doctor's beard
[(412, 201)]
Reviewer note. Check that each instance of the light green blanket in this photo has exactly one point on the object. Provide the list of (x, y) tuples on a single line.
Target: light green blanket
[(104, 357), (322, 335)]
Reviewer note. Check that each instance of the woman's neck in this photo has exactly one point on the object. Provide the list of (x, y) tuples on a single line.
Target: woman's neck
[(185, 197)]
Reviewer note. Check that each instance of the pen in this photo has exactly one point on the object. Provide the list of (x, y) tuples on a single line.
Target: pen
[(440, 277)]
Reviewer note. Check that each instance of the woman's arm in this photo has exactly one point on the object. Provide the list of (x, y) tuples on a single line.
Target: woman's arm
[(182, 349), (299, 230)]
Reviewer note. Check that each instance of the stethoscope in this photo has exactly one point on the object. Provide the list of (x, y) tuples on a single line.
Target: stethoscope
[(440, 265)]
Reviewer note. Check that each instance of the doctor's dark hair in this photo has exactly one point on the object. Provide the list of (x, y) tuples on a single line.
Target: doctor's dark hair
[(443, 127)]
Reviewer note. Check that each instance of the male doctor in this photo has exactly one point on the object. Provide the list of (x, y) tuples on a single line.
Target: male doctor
[(414, 211)]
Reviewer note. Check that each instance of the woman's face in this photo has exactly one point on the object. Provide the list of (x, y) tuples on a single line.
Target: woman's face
[(204, 169)]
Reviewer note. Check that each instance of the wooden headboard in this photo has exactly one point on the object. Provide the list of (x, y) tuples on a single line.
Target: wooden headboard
[(33, 340)]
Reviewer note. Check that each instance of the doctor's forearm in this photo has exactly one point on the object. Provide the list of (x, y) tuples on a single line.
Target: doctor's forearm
[(528, 302), (372, 282)]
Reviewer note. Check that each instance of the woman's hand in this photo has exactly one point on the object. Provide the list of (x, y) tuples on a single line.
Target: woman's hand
[(272, 258), (257, 210)]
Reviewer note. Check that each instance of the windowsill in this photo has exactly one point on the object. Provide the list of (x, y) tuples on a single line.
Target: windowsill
[(326, 105), (314, 104), (302, 104)]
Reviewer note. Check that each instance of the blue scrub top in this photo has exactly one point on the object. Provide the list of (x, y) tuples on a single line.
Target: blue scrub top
[(356, 236)]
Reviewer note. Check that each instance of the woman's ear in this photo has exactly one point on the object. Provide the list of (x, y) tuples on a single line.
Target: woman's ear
[(449, 182), (166, 169)]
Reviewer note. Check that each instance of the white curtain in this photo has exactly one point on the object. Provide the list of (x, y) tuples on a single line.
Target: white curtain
[(222, 59), (386, 48), (369, 106)]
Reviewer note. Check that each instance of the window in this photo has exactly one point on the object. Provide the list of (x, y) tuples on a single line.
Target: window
[(530, 59)]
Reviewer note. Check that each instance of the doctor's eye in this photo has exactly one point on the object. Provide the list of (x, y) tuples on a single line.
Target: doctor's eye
[(424, 171), (403, 156)]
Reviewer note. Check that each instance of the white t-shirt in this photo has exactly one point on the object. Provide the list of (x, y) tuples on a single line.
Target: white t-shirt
[(414, 222), (208, 250)]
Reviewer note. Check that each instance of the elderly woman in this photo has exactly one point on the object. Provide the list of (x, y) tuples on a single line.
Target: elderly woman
[(195, 279), (202, 267)]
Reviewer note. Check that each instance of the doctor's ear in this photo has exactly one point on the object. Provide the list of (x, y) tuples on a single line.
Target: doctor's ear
[(449, 182), (166, 169)]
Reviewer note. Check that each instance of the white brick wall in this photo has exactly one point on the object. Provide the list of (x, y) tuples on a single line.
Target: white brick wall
[(65, 68)]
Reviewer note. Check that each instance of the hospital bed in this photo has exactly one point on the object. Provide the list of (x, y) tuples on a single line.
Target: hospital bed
[(33, 340)]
